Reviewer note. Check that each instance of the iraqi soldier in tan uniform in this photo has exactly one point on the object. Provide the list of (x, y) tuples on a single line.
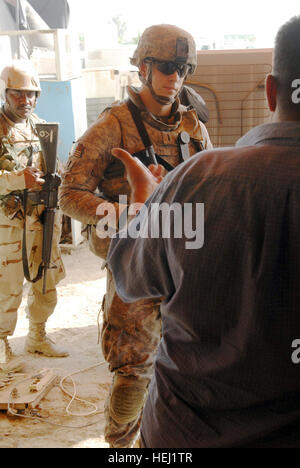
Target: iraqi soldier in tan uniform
[(21, 167), (165, 55)]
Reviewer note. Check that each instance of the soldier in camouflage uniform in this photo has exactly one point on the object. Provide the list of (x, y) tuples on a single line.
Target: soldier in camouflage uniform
[(21, 167), (165, 55)]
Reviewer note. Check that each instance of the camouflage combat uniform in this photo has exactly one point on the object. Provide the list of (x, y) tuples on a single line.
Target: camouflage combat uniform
[(130, 332), (18, 143)]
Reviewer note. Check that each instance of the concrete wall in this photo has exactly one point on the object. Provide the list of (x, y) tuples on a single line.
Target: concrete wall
[(103, 87), (98, 83)]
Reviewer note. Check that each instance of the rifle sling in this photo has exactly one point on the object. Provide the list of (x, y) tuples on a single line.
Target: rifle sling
[(136, 115), (24, 246)]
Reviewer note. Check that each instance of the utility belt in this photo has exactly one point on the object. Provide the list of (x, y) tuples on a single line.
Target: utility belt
[(148, 156)]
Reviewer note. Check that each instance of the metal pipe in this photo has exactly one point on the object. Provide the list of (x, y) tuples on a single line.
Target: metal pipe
[(18, 28)]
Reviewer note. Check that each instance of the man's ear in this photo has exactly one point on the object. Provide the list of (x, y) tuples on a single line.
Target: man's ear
[(143, 70), (271, 92)]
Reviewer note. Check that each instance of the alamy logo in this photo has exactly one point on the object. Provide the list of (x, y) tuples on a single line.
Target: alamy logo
[(158, 220), (296, 93), (296, 354)]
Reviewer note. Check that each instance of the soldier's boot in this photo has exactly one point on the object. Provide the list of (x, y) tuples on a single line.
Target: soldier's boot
[(8, 362), (128, 397), (38, 342)]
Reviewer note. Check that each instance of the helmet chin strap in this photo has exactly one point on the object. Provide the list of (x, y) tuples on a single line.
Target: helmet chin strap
[(164, 100), (161, 99)]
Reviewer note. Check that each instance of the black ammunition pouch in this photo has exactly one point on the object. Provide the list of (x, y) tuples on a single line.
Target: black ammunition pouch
[(147, 156)]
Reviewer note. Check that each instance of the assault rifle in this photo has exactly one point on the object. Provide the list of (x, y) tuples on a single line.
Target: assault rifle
[(48, 196)]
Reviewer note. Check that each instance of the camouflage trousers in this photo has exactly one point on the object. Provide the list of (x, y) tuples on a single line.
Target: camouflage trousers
[(39, 306), (130, 336)]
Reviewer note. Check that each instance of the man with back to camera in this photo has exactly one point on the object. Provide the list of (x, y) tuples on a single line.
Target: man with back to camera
[(227, 368), (21, 167), (165, 56)]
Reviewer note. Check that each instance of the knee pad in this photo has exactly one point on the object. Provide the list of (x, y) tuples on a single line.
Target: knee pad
[(127, 398)]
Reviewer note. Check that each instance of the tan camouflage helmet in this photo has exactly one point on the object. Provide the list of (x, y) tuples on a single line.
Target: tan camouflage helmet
[(19, 75), (165, 42)]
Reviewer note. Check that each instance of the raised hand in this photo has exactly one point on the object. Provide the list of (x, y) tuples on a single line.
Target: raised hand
[(143, 180)]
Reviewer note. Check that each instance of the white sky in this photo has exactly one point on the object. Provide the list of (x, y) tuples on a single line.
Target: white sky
[(210, 18)]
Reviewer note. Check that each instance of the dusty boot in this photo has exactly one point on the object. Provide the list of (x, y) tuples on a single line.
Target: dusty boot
[(38, 342), (9, 363)]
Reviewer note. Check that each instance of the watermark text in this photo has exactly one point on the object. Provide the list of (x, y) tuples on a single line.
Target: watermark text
[(158, 220), (296, 92)]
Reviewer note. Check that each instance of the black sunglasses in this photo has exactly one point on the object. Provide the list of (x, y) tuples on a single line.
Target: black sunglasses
[(168, 68)]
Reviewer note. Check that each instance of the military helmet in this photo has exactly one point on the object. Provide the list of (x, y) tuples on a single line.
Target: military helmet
[(19, 75), (165, 42)]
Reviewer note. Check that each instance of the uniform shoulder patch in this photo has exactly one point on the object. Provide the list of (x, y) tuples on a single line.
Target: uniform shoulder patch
[(77, 150)]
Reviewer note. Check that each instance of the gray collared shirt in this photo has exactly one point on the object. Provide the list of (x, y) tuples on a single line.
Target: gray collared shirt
[(224, 373), (276, 133)]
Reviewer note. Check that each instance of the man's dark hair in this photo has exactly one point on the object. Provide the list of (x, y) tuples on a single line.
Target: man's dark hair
[(286, 60)]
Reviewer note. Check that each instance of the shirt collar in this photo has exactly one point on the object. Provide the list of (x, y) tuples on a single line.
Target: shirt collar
[(275, 133), (173, 121)]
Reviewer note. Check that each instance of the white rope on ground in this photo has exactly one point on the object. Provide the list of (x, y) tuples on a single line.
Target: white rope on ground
[(73, 397)]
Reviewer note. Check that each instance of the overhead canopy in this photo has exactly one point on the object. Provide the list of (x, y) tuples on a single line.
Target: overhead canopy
[(54, 13), (33, 15)]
